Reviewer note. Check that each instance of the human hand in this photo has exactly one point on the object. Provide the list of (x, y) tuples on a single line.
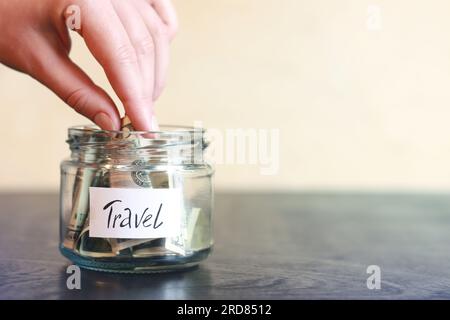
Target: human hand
[(129, 38)]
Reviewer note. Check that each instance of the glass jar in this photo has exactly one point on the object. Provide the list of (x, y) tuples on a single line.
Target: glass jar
[(136, 201)]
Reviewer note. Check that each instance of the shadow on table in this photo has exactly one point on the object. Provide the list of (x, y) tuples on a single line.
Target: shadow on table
[(186, 284)]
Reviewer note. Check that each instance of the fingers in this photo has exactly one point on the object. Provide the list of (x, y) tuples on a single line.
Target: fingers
[(160, 35), (166, 11), (130, 39), (142, 42), (109, 42), (56, 71)]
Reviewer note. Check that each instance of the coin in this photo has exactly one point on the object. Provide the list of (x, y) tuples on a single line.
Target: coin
[(141, 178)]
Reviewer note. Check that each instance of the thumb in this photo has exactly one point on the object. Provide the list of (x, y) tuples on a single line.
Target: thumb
[(57, 72)]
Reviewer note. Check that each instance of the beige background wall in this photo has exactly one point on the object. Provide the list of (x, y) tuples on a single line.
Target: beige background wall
[(357, 107)]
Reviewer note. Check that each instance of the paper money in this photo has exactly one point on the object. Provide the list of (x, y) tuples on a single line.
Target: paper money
[(80, 198), (151, 252), (192, 234), (150, 249), (123, 244), (192, 222), (84, 244), (199, 230), (80, 206), (93, 247)]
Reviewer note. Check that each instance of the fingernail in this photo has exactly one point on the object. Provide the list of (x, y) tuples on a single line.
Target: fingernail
[(104, 121)]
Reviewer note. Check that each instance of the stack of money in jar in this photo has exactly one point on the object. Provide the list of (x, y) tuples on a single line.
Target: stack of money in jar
[(138, 179), (77, 233)]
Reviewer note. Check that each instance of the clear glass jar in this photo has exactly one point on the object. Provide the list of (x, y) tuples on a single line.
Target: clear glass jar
[(136, 201)]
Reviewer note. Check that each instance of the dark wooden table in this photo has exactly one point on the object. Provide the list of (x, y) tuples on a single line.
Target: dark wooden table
[(268, 246)]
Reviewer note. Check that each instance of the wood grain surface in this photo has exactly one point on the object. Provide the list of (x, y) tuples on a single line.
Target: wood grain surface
[(268, 246)]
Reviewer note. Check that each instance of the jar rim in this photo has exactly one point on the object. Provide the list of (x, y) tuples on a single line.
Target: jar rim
[(171, 143), (164, 129)]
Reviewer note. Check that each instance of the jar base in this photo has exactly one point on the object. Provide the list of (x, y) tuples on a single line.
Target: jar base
[(138, 265)]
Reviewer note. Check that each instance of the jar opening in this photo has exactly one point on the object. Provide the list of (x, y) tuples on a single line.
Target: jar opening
[(164, 129), (169, 144)]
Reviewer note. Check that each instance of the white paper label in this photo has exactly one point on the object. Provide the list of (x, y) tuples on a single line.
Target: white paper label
[(133, 213)]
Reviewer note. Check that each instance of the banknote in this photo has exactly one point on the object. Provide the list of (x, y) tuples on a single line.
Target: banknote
[(93, 247), (84, 178), (80, 205)]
